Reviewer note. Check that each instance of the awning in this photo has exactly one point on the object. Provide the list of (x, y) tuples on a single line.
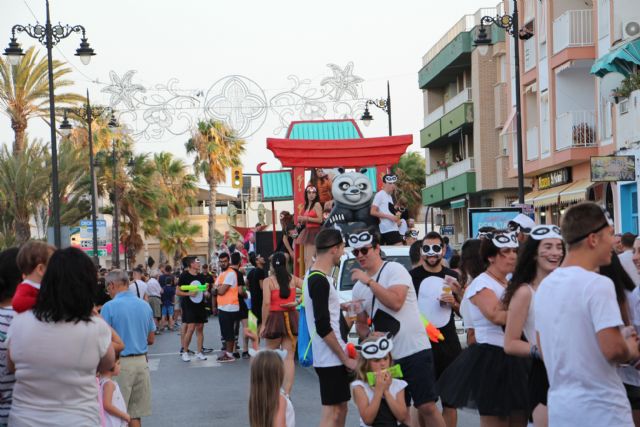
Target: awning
[(529, 197), (563, 67), (549, 196), (457, 204), (620, 60), (576, 192), (507, 124)]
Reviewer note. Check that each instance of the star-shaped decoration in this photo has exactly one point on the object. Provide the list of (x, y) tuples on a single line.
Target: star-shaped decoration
[(343, 81), (122, 90)]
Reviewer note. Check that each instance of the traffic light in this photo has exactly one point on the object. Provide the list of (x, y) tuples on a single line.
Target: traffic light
[(236, 177)]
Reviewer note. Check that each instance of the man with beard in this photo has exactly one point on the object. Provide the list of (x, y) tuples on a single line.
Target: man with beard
[(437, 289)]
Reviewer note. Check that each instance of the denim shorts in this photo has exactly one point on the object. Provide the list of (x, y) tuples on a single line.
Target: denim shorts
[(167, 310)]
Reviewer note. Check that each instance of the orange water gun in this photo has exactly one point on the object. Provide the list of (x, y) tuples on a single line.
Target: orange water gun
[(434, 333), (351, 351)]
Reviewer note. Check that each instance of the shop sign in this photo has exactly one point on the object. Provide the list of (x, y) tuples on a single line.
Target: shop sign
[(554, 178), (447, 230), (613, 168)]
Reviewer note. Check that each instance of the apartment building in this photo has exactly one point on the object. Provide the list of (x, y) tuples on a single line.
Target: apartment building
[(465, 107), (566, 119)]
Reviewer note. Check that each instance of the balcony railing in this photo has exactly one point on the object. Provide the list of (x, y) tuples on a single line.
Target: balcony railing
[(575, 129), (197, 210), (460, 167), (451, 104), (574, 28), (436, 178), (532, 143), (530, 57)]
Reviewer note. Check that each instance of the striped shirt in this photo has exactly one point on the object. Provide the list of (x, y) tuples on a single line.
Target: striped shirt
[(6, 380)]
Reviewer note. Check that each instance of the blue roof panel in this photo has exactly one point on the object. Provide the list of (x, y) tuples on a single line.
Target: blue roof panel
[(329, 130)]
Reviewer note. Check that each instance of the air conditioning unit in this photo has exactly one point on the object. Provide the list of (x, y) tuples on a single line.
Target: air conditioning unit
[(631, 28)]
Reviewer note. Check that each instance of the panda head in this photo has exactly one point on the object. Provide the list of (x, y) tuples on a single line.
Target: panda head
[(352, 188)]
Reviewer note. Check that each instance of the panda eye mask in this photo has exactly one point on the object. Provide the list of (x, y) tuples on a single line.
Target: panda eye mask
[(431, 250), (360, 240), (506, 240), (390, 179)]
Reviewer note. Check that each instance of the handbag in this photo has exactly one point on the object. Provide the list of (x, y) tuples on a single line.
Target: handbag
[(381, 321)]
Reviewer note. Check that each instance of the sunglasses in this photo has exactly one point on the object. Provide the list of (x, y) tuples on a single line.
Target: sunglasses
[(363, 251), (431, 248)]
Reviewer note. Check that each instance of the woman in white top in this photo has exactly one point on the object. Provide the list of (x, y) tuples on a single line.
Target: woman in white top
[(540, 255), (57, 347), (484, 376), (471, 266)]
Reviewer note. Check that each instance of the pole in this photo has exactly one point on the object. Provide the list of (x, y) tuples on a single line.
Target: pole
[(55, 192), (389, 106), (273, 223), (116, 219), (94, 216), (516, 42)]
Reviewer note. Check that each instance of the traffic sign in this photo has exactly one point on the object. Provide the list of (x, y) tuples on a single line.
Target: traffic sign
[(86, 229), (101, 252), (89, 244)]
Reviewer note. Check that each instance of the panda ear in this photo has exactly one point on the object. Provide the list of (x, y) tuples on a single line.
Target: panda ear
[(363, 170), (341, 170)]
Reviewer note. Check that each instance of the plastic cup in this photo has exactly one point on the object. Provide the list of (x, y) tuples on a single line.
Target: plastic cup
[(353, 309)]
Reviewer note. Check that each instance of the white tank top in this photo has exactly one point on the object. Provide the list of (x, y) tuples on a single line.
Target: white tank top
[(530, 323), (118, 402), (290, 416)]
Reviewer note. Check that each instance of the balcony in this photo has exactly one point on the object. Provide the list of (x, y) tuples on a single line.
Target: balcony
[(575, 129), (459, 185), (432, 195), (530, 58), (460, 167), (532, 143), (451, 104), (437, 132), (436, 178), (197, 210), (574, 28)]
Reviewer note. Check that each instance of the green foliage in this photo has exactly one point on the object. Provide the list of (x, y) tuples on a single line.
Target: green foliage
[(628, 85), (411, 174)]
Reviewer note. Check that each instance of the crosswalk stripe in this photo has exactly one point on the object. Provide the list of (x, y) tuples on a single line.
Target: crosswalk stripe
[(153, 364)]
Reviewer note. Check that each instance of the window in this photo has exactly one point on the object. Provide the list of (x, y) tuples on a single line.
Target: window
[(604, 11)]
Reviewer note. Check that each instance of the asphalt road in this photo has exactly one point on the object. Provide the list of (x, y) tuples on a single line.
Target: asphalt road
[(206, 393)]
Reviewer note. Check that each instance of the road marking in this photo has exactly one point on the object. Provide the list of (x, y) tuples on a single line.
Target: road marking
[(209, 363), (163, 354), (153, 364)]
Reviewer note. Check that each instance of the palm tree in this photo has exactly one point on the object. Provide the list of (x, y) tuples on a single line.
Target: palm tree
[(216, 148), (176, 237), (411, 175), (177, 185), (24, 91)]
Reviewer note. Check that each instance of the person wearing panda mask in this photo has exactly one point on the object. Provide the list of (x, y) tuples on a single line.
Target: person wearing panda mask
[(438, 299), (380, 209)]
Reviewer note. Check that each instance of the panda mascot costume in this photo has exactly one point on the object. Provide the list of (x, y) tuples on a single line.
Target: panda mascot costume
[(352, 198)]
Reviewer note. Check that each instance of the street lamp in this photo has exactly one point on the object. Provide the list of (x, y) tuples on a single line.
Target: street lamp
[(509, 23), (86, 114), (50, 35), (383, 104)]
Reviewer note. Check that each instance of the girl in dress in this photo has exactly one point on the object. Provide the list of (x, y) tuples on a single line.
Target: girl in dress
[(541, 254), (115, 409), (484, 376), (310, 219), (378, 396), (269, 406)]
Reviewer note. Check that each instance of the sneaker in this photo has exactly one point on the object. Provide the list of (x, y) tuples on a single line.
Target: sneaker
[(158, 332), (206, 350), (245, 354), (181, 351), (185, 357), (225, 358), (236, 355), (201, 356), (191, 352)]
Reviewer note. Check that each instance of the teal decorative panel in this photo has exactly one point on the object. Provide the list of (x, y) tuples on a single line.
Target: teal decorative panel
[(329, 130), (371, 174), (277, 186)]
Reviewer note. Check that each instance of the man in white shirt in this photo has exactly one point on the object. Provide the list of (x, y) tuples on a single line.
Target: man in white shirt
[(390, 301), (578, 327), (381, 209), (154, 290), (139, 287), (626, 257)]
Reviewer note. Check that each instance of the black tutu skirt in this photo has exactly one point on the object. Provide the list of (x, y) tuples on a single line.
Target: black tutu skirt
[(538, 385), (485, 378)]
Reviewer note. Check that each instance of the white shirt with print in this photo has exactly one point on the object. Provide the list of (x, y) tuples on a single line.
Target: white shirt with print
[(382, 201)]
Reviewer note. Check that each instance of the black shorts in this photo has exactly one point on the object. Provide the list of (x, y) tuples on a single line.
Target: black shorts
[(193, 313), (334, 385), (419, 373), (633, 393), (227, 320), (391, 238)]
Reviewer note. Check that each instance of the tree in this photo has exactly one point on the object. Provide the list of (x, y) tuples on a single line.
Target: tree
[(177, 185), (24, 91), (411, 175), (176, 237), (216, 148)]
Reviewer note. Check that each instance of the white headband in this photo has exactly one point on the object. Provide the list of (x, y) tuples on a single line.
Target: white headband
[(376, 349), (360, 240), (505, 240), (541, 232)]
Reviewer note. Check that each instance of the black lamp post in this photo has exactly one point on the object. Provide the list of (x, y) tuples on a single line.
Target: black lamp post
[(50, 35), (383, 104), (510, 24), (87, 114)]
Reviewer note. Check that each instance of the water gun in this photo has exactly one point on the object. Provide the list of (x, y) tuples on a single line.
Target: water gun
[(194, 288), (395, 371), (351, 351), (434, 333)]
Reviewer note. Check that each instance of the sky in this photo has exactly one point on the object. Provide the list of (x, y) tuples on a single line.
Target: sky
[(201, 42)]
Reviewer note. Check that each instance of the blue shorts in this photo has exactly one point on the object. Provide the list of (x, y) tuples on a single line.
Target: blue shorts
[(167, 310)]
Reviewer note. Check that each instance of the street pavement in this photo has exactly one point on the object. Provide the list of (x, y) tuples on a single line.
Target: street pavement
[(206, 393)]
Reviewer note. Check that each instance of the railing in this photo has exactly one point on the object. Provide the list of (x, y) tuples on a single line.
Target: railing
[(530, 58), (436, 178), (529, 8), (574, 28), (466, 23), (460, 167), (434, 115), (451, 104), (545, 139), (532, 143), (575, 129), (197, 210)]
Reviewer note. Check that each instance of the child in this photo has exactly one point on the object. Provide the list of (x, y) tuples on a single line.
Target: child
[(32, 261), (115, 410), (268, 404), (382, 404)]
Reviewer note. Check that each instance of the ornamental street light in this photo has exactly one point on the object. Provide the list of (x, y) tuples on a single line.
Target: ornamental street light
[(86, 114), (383, 104), (50, 35), (509, 23)]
